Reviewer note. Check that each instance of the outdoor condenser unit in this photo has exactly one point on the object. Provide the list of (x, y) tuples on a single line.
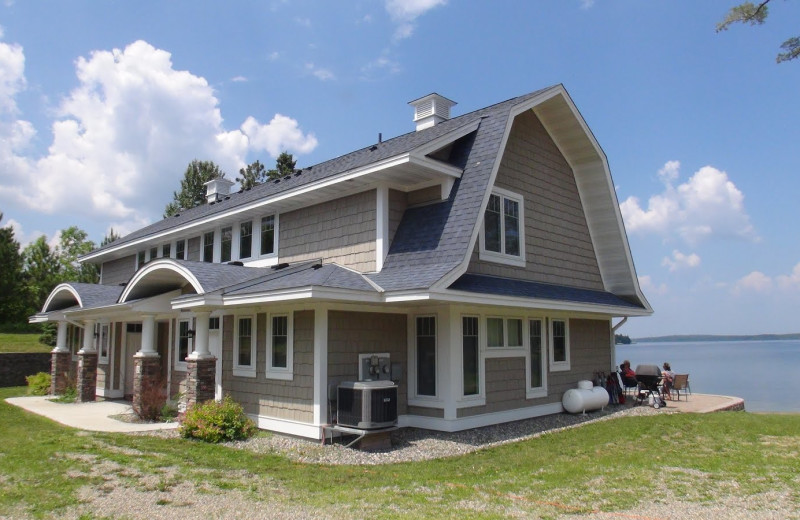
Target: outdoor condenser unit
[(367, 404)]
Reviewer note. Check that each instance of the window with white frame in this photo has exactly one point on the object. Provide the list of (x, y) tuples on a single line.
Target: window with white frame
[(504, 332), (470, 347), (280, 349), (74, 339), (166, 250), (246, 239), (153, 254), (244, 346), (536, 358), (103, 342), (426, 355), (183, 343), (141, 259), (226, 244), (502, 234), (559, 345), (180, 249), (208, 246), (268, 235)]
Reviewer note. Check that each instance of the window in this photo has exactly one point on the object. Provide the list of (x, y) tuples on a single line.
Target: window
[(470, 355), (268, 235), (184, 343), (180, 250), (245, 239), (559, 345), (503, 332), (426, 355), (502, 237), (244, 348), (166, 250), (213, 323), (102, 342), (536, 361), (226, 243), (208, 247), (153, 254), (74, 339), (140, 259), (279, 347)]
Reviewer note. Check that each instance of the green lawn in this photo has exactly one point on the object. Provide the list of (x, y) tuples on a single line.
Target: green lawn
[(22, 343), (607, 466)]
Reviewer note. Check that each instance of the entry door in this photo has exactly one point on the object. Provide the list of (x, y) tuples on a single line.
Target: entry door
[(215, 348), (133, 342)]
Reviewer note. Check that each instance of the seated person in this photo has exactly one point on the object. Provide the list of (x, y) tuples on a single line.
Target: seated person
[(627, 373), (667, 376)]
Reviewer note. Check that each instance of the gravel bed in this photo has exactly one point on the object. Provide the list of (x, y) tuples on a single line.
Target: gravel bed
[(414, 444)]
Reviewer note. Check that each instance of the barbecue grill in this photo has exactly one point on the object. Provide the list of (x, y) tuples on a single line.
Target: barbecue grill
[(649, 377)]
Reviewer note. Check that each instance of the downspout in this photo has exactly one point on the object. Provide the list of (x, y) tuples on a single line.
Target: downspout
[(614, 343)]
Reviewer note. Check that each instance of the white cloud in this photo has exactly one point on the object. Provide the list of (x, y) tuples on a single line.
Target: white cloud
[(707, 205), (790, 281), (754, 282), (304, 22), (12, 76), (680, 261), (587, 4), (239, 79), (380, 67), (649, 287), (124, 137), (320, 73), (20, 235), (405, 12), (273, 56)]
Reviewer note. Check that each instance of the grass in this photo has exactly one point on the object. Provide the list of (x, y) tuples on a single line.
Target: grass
[(602, 466), (22, 343)]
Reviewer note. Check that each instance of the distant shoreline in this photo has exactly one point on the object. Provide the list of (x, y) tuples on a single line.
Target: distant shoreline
[(714, 337)]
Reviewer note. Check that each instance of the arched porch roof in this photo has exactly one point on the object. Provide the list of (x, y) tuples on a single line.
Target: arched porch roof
[(80, 295)]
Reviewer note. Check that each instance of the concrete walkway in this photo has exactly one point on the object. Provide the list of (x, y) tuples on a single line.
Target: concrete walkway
[(94, 416)]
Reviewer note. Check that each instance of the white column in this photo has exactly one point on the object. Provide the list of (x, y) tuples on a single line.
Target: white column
[(381, 227), (88, 336), (148, 348), (321, 365), (201, 350), (61, 338)]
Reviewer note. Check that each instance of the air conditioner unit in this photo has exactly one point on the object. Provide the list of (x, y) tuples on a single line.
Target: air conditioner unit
[(367, 405)]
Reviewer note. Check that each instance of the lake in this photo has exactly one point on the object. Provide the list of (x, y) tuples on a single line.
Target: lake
[(766, 374)]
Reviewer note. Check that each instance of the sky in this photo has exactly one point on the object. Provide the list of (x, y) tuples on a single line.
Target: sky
[(103, 104)]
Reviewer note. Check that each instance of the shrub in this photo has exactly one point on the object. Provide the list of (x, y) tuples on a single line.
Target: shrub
[(214, 421), (38, 384), (151, 400)]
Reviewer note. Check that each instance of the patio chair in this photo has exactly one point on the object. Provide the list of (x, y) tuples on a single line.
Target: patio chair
[(680, 382), (629, 386)]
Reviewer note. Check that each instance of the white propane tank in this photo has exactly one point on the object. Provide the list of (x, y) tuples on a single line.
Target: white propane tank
[(578, 400)]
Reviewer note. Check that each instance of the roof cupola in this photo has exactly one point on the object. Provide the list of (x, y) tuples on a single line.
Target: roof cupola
[(217, 188), (431, 110)]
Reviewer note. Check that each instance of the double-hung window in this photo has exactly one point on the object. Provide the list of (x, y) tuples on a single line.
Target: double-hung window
[(180, 249), (208, 246), (536, 359), (503, 232), (226, 244), (280, 347), (166, 250), (245, 239), (244, 347), (559, 345), (268, 235)]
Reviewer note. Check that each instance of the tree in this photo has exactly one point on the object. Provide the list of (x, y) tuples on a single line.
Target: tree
[(12, 305), (749, 13), (41, 273), (193, 191), (254, 174), (74, 243), (110, 237), (284, 166)]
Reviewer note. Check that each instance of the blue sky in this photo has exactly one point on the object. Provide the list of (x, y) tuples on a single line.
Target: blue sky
[(102, 105)]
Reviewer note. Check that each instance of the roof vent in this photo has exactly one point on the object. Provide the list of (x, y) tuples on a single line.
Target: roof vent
[(217, 188), (431, 110)]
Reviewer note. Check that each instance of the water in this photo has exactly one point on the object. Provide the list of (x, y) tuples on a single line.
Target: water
[(766, 374)]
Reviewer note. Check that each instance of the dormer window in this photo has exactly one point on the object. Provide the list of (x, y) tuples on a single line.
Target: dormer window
[(502, 234), (246, 239), (226, 244), (268, 235), (208, 247)]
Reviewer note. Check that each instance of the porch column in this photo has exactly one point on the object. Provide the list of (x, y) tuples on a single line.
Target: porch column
[(200, 364), (148, 387), (60, 362), (87, 365)]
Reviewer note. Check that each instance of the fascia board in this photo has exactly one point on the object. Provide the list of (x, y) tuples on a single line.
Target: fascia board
[(57, 289), (536, 303), (310, 292), (161, 263), (406, 296), (437, 166), (322, 183), (444, 140)]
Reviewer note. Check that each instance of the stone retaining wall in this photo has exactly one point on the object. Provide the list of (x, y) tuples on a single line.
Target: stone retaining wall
[(14, 367)]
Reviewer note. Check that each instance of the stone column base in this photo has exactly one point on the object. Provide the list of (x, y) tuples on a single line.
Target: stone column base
[(87, 377), (148, 387), (200, 378), (60, 367)]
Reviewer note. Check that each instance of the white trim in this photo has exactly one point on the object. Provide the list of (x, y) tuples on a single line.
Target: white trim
[(477, 421), (381, 226), (558, 366), (479, 399), (281, 373), (501, 256), (101, 359), (245, 370), (180, 364), (505, 350), (534, 393), (300, 429), (267, 257), (414, 399), (164, 263), (57, 289), (321, 365)]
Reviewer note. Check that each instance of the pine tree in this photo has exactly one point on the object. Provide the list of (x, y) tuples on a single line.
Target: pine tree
[(193, 191), (284, 166), (254, 174), (12, 306)]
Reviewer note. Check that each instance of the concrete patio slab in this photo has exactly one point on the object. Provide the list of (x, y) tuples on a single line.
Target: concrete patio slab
[(94, 416)]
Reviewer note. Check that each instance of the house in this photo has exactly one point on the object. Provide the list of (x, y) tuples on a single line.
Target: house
[(482, 258)]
